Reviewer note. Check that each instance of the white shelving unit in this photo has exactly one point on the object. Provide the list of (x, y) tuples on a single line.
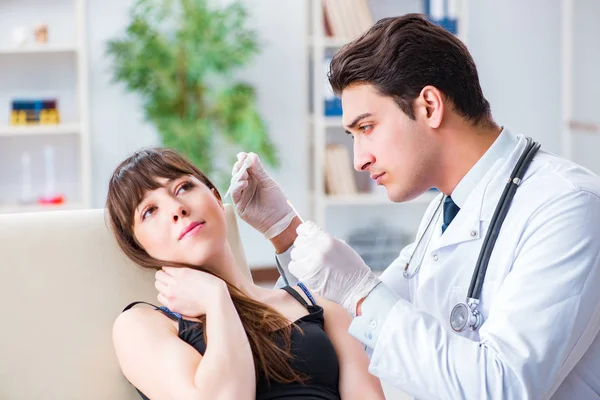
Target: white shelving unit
[(37, 49), (65, 58), (322, 127), (39, 207), (59, 129)]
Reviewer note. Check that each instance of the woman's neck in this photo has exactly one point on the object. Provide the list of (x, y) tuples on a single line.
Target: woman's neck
[(224, 265)]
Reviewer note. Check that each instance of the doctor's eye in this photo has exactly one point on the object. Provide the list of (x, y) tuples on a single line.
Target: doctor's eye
[(365, 128)]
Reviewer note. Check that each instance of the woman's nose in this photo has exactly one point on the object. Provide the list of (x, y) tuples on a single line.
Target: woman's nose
[(180, 211)]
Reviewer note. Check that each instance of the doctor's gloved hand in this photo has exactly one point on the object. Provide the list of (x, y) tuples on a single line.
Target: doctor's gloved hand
[(258, 199), (330, 267)]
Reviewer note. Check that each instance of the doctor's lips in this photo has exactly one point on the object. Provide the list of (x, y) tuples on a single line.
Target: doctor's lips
[(191, 229), (377, 177)]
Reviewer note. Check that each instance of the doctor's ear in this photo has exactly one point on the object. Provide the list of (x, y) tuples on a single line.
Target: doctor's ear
[(430, 106)]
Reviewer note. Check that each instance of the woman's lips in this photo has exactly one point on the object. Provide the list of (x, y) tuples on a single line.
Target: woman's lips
[(191, 230)]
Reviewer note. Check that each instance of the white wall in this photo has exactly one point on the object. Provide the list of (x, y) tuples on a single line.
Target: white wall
[(516, 46), (586, 85)]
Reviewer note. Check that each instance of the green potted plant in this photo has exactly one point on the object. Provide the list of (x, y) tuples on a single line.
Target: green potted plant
[(180, 56)]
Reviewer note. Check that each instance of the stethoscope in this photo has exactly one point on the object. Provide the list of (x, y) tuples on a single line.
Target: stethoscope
[(466, 314)]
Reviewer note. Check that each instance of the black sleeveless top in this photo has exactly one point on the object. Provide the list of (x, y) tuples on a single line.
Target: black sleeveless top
[(313, 354)]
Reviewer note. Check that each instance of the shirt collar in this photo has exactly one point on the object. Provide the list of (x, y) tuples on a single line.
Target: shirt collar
[(501, 149)]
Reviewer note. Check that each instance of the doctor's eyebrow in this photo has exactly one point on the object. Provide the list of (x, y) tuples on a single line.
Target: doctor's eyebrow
[(353, 124)]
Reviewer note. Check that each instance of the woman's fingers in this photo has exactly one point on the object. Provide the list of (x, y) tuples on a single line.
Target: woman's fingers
[(164, 277), (162, 300)]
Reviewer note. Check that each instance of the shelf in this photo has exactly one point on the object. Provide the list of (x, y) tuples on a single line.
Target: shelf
[(329, 42), (40, 49), (60, 129), (374, 198), (332, 122), (18, 208), (328, 121)]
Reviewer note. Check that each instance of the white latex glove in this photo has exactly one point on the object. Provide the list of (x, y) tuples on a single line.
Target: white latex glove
[(330, 267), (258, 199)]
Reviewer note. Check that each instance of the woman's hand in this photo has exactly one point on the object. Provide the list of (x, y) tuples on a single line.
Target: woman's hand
[(188, 291)]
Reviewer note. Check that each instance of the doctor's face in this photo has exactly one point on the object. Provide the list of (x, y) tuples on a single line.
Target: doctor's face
[(181, 221), (394, 149)]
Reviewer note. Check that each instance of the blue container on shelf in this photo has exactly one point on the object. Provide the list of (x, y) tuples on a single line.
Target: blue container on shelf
[(333, 107), (34, 111), (450, 24), (332, 104)]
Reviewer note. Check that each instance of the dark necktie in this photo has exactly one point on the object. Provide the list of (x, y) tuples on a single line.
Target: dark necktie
[(450, 211)]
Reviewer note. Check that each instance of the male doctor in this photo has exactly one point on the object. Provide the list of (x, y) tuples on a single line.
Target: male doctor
[(413, 104)]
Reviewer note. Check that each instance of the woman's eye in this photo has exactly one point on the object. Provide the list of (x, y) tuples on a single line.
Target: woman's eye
[(185, 186), (148, 212)]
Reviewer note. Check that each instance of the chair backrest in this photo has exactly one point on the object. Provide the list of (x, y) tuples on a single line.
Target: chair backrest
[(64, 281)]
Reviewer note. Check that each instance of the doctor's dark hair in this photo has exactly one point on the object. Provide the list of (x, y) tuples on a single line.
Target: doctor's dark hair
[(399, 56), (264, 326)]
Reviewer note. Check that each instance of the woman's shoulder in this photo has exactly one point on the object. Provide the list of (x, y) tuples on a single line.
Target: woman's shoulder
[(332, 311), (312, 298), (141, 321)]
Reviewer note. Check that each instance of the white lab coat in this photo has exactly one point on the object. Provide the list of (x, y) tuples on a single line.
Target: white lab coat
[(540, 300)]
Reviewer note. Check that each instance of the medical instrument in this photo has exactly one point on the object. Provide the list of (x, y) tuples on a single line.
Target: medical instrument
[(237, 177), (282, 272), (279, 267), (436, 214), (466, 314)]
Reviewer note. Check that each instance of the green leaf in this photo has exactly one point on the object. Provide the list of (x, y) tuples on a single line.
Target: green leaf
[(179, 57), (241, 122)]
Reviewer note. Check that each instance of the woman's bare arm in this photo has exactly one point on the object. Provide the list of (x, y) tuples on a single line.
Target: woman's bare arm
[(355, 380), (163, 367)]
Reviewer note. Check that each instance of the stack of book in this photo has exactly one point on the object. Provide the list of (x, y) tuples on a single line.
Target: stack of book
[(347, 18), (339, 175)]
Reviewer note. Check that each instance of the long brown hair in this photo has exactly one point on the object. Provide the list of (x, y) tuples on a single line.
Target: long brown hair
[(265, 327)]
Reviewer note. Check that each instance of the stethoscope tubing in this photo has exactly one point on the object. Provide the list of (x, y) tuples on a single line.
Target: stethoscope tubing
[(500, 213)]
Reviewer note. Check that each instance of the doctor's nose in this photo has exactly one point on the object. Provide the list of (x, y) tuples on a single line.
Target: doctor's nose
[(362, 159)]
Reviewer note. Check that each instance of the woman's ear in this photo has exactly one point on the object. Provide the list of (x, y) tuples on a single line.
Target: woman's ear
[(214, 191)]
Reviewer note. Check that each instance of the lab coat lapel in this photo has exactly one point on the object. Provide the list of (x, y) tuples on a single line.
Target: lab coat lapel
[(481, 204), (464, 228)]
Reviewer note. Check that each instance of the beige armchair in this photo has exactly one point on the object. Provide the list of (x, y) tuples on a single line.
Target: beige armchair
[(63, 282)]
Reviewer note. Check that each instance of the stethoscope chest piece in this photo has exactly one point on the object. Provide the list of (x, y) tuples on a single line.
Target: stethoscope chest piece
[(465, 315)]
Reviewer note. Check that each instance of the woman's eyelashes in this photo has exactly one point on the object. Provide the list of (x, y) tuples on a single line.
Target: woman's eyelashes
[(184, 187), (179, 189), (147, 212)]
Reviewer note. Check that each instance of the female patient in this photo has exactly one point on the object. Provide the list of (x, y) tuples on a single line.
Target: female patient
[(231, 339)]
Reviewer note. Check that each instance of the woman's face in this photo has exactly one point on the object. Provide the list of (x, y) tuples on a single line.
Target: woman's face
[(182, 221)]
